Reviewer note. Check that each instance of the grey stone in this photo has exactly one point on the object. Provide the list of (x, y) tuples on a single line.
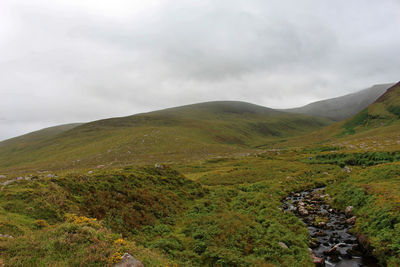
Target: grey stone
[(128, 260), (352, 220), (283, 245), (159, 166), (346, 169), (6, 236), (316, 260), (348, 210)]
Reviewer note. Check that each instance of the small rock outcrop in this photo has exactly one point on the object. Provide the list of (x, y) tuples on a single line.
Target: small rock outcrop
[(6, 236), (159, 166), (347, 169), (128, 260), (19, 178)]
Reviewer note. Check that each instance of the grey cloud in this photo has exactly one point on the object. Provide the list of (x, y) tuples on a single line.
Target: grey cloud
[(69, 61)]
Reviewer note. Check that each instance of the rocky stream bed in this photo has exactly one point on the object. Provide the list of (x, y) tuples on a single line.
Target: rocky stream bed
[(332, 243)]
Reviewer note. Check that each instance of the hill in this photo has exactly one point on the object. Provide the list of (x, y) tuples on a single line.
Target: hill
[(343, 107), (375, 128), (224, 211), (183, 133), (383, 112), (38, 136)]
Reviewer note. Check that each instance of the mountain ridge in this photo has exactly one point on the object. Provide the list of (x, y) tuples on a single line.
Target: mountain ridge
[(309, 109), (343, 107), (189, 132)]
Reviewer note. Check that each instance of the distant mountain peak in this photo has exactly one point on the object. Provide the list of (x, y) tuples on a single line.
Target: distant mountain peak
[(344, 107)]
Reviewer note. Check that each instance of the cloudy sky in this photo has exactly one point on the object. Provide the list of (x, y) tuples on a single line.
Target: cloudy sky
[(81, 60)]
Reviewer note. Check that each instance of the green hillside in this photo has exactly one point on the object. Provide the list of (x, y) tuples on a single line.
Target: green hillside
[(218, 201), (38, 136), (158, 215), (384, 111), (344, 107), (183, 133), (375, 128)]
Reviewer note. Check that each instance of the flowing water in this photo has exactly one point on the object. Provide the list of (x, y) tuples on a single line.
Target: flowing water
[(329, 229)]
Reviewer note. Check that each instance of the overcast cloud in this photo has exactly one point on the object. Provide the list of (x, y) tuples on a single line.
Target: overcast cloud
[(82, 60)]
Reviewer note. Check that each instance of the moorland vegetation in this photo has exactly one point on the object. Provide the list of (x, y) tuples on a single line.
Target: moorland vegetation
[(199, 185)]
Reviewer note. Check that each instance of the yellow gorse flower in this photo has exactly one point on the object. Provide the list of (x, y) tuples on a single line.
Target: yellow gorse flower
[(120, 241), (116, 257), (84, 220)]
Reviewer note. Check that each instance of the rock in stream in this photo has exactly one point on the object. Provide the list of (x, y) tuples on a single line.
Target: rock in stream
[(332, 243)]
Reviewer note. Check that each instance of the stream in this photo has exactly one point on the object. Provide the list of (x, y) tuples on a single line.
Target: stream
[(333, 244)]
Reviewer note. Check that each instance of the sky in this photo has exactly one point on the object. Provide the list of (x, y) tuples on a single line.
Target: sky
[(83, 60)]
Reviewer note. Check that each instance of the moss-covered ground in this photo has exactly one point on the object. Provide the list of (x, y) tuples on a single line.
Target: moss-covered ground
[(219, 212)]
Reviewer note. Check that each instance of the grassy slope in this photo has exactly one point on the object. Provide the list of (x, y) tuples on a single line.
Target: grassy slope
[(39, 214), (229, 216), (344, 107), (370, 138), (183, 133), (376, 128), (37, 136), (171, 217), (374, 192)]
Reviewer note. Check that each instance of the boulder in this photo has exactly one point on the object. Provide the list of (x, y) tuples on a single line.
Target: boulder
[(128, 260), (348, 210), (319, 262), (3, 176), (314, 243), (332, 250), (302, 211), (352, 220), (320, 233)]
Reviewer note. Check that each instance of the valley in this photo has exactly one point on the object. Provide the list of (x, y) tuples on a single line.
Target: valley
[(204, 185)]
